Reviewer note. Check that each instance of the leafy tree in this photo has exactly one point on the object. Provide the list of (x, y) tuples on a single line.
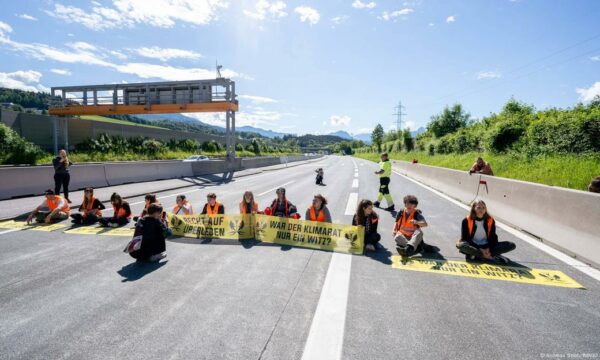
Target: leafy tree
[(377, 136), (449, 121), (407, 139)]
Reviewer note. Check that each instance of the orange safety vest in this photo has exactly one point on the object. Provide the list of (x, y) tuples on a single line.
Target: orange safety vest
[(53, 204), (214, 210), (471, 224), (98, 212), (274, 208), (404, 226), (314, 217), (243, 207), (121, 212)]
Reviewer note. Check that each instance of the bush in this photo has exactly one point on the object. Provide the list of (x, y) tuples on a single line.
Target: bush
[(444, 146), (209, 146), (431, 149), (503, 135), (16, 150)]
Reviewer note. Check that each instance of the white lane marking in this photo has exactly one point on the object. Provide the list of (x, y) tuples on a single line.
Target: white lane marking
[(326, 335), (351, 205), (355, 183), (8, 231), (584, 268), (275, 188)]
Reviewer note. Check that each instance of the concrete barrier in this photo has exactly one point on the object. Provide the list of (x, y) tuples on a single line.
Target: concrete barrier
[(567, 219), (209, 167), (88, 175), (128, 172)]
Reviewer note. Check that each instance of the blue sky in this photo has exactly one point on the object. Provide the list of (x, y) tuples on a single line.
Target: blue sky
[(316, 66)]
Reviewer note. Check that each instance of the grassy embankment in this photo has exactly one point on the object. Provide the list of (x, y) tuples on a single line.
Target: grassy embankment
[(568, 171)]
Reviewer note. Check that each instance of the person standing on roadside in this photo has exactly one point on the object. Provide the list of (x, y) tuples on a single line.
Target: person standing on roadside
[(62, 177), (595, 185), (385, 173)]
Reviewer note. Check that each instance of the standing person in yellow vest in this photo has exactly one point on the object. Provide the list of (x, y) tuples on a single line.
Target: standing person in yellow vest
[(90, 210), (385, 173), (54, 208), (182, 206), (212, 206), (407, 230), (478, 240), (248, 206), (318, 211)]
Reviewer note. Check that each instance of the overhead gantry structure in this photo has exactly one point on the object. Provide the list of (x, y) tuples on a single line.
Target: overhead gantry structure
[(168, 97)]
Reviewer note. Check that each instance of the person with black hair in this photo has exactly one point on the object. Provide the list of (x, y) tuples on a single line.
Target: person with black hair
[(54, 208), (90, 210), (121, 213), (595, 185), (407, 229), (153, 232), (366, 217), (281, 206), (212, 206)]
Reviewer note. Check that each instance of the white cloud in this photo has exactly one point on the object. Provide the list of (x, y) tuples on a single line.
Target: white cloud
[(363, 131), (339, 120), (590, 93), (166, 72), (339, 20), (451, 19), (258, 99), (595, 58), (127, 13), (4, 28), (394, 14), (119, 55), (165, 54), (431, 24), (28, 80), (488, 75), (308, 14), (256, 118), (357, 4), (61, 72), (264, 9), (27, 17)]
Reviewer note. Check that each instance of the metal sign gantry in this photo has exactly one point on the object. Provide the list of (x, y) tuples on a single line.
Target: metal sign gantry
[(215, 95)]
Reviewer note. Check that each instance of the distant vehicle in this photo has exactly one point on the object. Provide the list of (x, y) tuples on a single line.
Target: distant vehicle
[(196, 158)]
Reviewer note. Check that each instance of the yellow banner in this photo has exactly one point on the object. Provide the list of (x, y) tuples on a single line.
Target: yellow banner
[(310, 234), (96, 230), (12, 224), (230, 227), (487, 271)]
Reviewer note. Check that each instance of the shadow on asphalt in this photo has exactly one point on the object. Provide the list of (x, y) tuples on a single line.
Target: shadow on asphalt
[(382, 254), (137, 270)]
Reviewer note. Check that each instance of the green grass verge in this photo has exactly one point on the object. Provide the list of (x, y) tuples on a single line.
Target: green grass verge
[(167, 155), (568, 171), (116, 121)]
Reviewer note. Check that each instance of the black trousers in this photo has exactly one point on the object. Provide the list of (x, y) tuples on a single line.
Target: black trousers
[(501, 248), (104, 221), (383, 185), (62, 179), (87, 220), (372, 239)]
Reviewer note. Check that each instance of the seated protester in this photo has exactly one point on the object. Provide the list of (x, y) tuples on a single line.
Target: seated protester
[(248, 205), (407, 230), (121, 213), (54, 208), (318, 211), (183, 207), (90, 210), (481, 167), (281, 206), (478, 238), (212, 206), (365, 216), (148, 199), (153, 231)]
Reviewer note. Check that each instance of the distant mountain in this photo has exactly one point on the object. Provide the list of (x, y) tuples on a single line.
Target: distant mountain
[(366, 138), (343, 134), (179, 118), (266, 133), (418, 131)]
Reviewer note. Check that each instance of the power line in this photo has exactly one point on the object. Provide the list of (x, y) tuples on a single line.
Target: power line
[(399, 115)]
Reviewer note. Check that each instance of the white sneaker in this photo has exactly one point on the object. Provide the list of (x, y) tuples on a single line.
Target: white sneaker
[(157, 257)]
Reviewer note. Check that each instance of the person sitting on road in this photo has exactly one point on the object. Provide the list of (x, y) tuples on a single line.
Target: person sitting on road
[(182, 206), (248, 205), (407, 230), (212, 206), (281, 206), (153, 232), (595, 185), (148, 199), (481, 167), (365, 216), (320, 175), (121, 213), (478, 240), (90, 210), (54, 208), (318, 211)]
